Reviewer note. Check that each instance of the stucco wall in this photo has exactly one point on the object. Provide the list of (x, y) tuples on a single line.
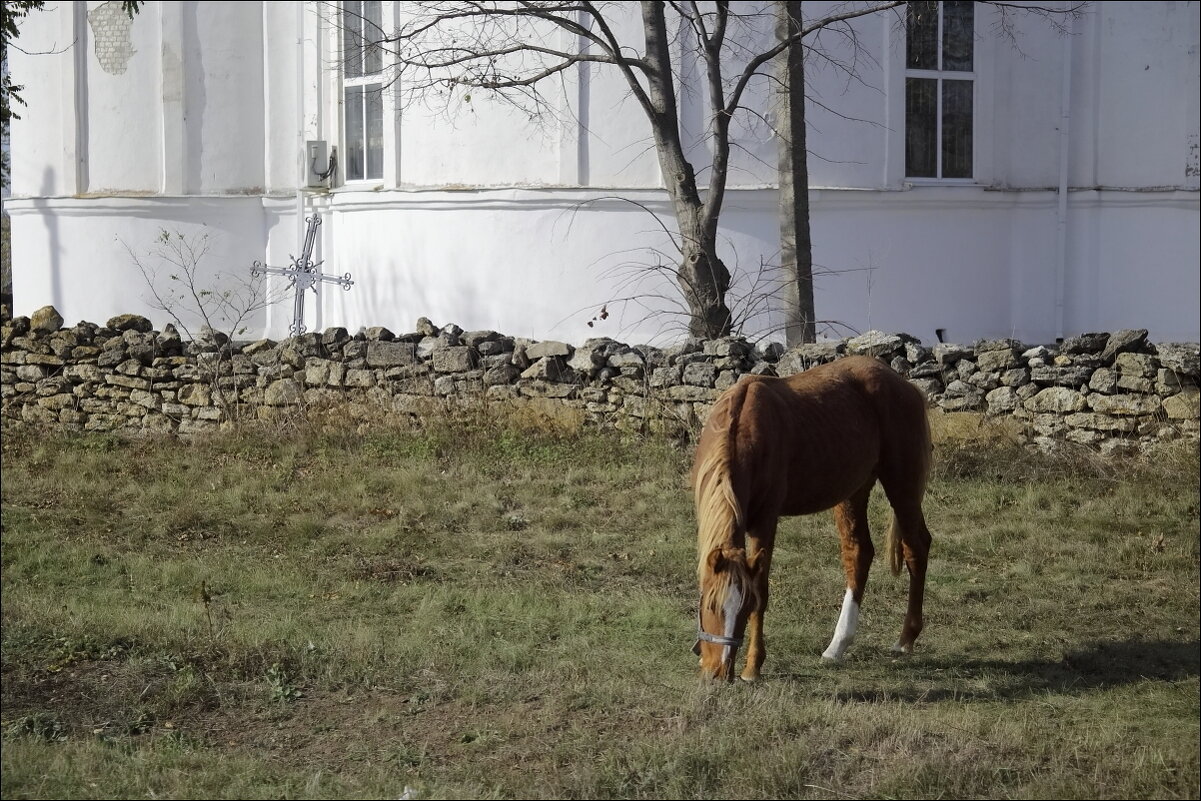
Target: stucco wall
[(974, 263), (487, 220)]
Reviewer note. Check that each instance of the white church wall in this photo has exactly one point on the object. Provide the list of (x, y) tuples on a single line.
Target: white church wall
[(478, 143), (614, 133), (43, 141), (1025, 151), (1133, 264), (125, 65), (235, 98), (541, 261), (902, 259), (1145, 75), (83, 246), (223, 97), (753, 158), (503, 260), (451, 137), (979, 264), (853, 102), (280, 78)]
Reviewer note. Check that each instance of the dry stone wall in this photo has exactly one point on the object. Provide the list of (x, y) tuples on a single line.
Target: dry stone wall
[(1109, 390)]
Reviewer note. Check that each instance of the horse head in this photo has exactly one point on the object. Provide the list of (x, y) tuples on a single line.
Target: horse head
[(728, 590)]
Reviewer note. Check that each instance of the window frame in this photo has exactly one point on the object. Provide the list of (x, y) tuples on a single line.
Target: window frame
[(340, 82), (939, 76)]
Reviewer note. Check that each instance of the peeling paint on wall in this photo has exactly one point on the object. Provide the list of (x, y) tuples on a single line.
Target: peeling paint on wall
[(110, 32), (1192, 158)]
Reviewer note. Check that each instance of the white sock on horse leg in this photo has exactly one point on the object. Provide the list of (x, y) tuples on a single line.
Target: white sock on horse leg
[(844, 632)]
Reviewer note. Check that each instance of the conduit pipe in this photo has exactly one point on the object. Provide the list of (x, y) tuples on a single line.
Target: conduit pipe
[(301, 171), (1061, 213)]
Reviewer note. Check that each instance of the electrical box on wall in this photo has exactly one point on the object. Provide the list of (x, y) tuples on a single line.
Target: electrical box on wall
[(316, 157)]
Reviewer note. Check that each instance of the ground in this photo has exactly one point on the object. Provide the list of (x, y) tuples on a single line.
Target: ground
[(472, 611)]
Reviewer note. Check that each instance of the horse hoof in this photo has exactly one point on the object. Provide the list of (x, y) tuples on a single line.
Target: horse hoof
[(902, 650), (831, 657), (749, 678)]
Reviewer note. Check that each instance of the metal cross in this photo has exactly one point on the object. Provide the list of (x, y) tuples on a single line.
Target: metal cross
[(304, 274)]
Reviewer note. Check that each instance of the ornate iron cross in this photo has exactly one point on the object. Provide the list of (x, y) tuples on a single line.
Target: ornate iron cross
[(304, 274)]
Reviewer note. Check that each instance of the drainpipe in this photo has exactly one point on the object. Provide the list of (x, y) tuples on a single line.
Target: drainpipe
[(302, 173), (1061, 213)]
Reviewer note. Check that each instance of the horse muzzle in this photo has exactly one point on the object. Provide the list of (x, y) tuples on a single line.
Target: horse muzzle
[(726, 669)]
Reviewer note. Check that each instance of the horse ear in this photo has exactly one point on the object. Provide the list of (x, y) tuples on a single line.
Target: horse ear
[(716, 560)]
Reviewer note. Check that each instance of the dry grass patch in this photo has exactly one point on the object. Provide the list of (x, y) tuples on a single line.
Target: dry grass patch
[(491, 608)]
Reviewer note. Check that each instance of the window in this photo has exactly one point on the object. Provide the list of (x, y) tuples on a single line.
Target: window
[(939, 89), (362, 90)]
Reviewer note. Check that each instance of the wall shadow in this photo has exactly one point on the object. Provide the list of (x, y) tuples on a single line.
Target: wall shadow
[(52, 234)]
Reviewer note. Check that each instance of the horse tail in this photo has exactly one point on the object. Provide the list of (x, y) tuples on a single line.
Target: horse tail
[(720, 517), (892, 544), (923, 452)]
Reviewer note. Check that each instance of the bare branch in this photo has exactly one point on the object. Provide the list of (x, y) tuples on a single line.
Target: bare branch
[(758, 61), (445, 48)]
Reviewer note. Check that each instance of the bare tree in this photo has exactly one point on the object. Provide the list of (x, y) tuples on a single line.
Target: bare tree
[(441, 48), (211, 309), (444, 48), (796, 246)]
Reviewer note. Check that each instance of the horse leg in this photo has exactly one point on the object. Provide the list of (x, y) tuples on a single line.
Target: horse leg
[(760, 542), (915, 545), (857, 553)]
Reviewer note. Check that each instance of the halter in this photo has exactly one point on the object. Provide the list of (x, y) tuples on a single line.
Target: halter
[(716, 639)]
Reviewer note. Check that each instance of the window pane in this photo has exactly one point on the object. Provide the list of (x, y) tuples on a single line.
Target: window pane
[(956, 129), (355, 156), (922, 36), (957, 36), (373, 34), (352, 36), (374, 95), (920, 131)]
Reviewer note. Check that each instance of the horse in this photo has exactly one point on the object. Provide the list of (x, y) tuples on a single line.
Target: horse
[(813, 441)]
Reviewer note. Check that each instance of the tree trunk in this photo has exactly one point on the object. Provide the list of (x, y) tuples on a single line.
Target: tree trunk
[(796, 248), (703, 278)]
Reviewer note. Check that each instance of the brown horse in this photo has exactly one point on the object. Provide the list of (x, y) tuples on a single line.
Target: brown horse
[(793, 446)]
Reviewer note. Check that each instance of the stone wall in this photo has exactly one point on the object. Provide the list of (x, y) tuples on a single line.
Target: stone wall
[(1113, 391)]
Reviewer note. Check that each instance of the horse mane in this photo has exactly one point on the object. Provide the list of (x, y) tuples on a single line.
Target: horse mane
[(720, 519)]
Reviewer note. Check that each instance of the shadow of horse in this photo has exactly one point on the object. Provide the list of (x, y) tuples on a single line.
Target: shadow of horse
[(1096, 666)]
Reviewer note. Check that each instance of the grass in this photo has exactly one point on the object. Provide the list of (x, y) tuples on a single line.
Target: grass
[(474, 611)]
